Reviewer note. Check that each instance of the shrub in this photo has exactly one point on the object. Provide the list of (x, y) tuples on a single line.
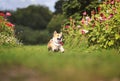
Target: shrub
[(105, 26), (7, 36), (101, 29), (30, 36)]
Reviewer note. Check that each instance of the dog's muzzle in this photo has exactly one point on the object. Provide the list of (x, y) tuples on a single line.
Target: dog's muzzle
[(59, 38)]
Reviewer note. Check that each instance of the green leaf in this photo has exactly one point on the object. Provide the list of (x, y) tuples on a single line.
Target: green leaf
[(110, 43), (93, 39), (117, 36)]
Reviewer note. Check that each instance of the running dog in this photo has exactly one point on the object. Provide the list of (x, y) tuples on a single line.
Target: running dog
[(55, 44)]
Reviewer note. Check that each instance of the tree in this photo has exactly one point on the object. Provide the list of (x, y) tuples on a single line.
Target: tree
[(58, 7), (55, 23), (34, 16), (75, 8)]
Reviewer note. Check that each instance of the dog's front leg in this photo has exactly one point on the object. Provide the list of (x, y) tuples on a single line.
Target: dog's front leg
[(61, 49), (54, 48)]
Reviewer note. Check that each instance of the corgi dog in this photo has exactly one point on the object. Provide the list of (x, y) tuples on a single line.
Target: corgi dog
[(55, 44)]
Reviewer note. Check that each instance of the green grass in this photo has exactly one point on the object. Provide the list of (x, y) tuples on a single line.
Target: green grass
[(76, 64)]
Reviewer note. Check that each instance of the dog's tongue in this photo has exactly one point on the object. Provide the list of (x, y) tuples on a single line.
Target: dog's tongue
[(61, 43)]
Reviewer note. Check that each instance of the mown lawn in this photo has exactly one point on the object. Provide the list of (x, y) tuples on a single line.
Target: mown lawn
[(35, 63)]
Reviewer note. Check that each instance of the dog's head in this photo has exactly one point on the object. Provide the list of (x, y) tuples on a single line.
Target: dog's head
[(57, 37)]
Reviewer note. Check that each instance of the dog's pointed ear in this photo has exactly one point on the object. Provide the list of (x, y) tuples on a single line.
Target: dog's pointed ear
[(55, 32), (61, 33)]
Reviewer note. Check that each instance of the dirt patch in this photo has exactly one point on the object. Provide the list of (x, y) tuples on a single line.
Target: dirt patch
[(19, 73)]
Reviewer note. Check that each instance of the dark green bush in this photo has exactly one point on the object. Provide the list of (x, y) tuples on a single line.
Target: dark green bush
[(55, 23), (29, 36)]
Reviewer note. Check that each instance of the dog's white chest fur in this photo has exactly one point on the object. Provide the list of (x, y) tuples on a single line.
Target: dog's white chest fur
[(57, 46)]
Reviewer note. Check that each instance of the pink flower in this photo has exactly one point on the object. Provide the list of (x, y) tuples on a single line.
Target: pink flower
[(112, 2), (84, 13), (104, 18), (83, 21), (83, 31), (88, 19), (111, 15), (78, 26), (8, 14)]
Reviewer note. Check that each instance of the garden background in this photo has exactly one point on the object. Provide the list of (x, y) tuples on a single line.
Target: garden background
[(91, 36)]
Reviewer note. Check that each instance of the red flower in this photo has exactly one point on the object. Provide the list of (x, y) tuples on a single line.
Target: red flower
[(2, 14), (9, 24), (99, 9), (8, 14), (101, 14), (84, 13), (107, 2), (83, 32), (67, 26)]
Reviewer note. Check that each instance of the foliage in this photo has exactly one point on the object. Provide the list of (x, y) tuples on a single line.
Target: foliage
[(55, 23), (101, 29), (7, 36), (30, 36), (106, 29), (71, 34), (75, 8), (58, 7), (34, 16)]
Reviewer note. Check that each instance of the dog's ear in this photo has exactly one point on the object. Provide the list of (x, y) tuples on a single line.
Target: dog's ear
[(60, 33), (55, 32)]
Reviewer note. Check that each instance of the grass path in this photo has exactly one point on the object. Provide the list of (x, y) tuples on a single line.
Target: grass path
[(35, 63)]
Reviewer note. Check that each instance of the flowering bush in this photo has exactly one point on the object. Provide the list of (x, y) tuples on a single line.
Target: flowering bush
[(105, 26), (73, 32), (7, 36), (102, 28)]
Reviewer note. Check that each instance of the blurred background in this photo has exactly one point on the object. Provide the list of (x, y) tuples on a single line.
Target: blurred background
[(35, 20)]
